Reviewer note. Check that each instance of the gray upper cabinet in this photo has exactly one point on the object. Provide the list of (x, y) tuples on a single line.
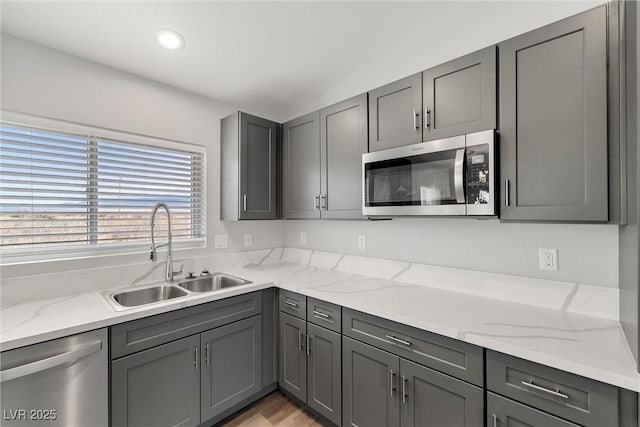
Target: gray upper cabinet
[(231, 365), (293, 360), (301, 151), (553, 121), (249, 153), (369, 386), (395, 114), (343, 140), (158, 387), (459, 96)]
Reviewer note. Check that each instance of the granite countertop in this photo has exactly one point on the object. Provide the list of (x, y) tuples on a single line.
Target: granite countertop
[(593, 347)]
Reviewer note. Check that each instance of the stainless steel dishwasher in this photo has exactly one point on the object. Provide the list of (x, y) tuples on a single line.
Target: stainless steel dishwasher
[(64, 382)]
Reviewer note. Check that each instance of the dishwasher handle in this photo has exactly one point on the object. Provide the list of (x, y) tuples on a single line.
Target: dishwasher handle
[(66, 358)]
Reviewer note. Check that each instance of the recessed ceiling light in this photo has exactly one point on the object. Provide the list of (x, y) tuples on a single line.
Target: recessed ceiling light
[(169, 39)]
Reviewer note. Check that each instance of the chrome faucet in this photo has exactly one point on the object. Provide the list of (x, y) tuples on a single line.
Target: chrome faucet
[(169, 273)]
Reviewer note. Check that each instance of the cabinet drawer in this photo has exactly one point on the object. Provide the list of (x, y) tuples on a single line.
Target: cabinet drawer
[(324, 314), (578, 399), (503, 412), (453, 357), (148, 332), (293, 303)]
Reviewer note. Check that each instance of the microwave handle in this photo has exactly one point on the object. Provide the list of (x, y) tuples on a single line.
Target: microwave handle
[(458, 175)]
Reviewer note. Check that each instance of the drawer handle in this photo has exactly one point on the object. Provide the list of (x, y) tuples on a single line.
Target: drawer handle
[(554, 393), (291, 303), (404, 389), (398, 340), (321, 315), (495, 420)]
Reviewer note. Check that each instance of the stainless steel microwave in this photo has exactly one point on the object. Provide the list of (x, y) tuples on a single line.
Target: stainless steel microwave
[(452, 176)]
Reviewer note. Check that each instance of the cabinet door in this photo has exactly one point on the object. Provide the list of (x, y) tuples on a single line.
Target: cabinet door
[(394, 114), (231, 365), (503, 412), (292, 375), (301, 148), (258, 158), (460, 96), (553, 121), (430, 398), (158, 387), (370, 385), (343, 140), (324, 372)]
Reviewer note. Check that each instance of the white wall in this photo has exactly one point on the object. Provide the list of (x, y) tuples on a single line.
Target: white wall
[(41, 81), (588, 253)]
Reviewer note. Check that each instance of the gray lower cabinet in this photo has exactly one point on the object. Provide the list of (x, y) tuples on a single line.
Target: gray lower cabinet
[(301, 152), (231, 365), (459, 96), (324, 379), (343, 141), (553, 121), (382, 386), (157, 387), (432, 399), (502, 412), (394, 114), (249, 158), (292, 374), (369, 386)]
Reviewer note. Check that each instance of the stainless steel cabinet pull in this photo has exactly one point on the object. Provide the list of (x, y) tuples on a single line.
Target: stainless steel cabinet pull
[(321, 315), (398, 340), (507, 200), (427, 118), (299, 341), (554, 393), (391, 386), (244, 202), (316, 202), (206, 354), (50, 362), (404, 389), (290, 303), (308, 345), (324, 202), (196, 358), (415, 121), (495, 420)]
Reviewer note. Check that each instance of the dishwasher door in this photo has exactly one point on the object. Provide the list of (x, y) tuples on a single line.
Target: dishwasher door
[(64, 382)]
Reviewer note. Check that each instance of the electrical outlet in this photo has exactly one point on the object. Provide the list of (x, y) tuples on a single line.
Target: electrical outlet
[(362, 242), (248, 239), (548, 259), (220, 241), (303, 238)]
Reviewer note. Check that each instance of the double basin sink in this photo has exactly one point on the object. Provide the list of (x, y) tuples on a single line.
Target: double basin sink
[(121, 300)]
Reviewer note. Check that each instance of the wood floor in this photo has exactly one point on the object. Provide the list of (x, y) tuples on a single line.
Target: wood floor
[(275, 409)]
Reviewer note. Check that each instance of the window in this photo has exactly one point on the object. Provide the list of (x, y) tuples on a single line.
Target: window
[(67, 190)]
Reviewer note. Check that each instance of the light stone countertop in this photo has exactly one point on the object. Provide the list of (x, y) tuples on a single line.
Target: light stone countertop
[(594, 347)]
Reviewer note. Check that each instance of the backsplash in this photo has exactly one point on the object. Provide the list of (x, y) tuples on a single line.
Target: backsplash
[(571, 297)]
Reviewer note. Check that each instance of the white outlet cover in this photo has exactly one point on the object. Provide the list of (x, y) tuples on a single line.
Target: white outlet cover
[(303, 238), (248, 239), (221, 241), (362, 242), (548, 259)]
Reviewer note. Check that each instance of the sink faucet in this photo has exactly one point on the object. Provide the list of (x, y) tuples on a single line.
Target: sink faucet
[(169, 273)]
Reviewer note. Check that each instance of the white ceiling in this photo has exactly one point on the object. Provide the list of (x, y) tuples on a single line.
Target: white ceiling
[(276, 59)]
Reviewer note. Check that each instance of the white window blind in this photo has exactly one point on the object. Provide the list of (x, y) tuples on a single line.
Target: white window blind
[(60, 189)]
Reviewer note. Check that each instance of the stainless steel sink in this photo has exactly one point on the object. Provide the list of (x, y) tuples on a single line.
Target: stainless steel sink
[(148, 295), (211, 283)]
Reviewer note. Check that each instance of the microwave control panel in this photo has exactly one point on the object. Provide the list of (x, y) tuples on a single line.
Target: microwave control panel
[(477, 175)]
